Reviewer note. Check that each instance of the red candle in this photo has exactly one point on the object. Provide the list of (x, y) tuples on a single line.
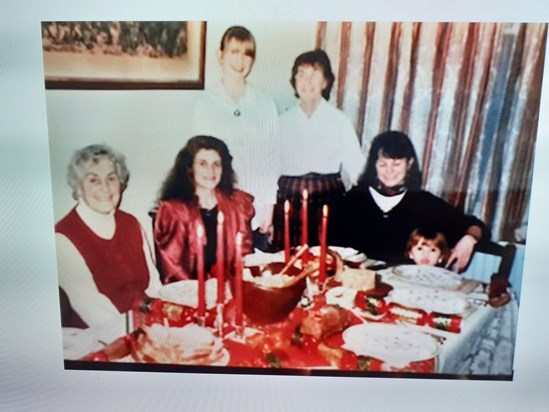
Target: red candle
[(287, 231), (304, 218), (220, 259), (323, 244), (238, 280), (201, 312)]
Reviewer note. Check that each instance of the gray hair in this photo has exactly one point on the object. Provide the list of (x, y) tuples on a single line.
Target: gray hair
[(93, 153)]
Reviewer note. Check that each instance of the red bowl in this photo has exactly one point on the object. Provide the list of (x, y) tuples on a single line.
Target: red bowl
[(264, 304)]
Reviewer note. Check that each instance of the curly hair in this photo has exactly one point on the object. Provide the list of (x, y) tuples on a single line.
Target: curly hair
[(94, 153), (180, 183), (393, 145), (318, 59)]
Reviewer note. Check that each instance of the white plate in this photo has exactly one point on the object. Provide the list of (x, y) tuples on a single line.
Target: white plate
[(188, 345), (428, 276), (430, 300), (185, 292), (341, 296), (77, 343), (224, 360), (346, 253), (394, 344)]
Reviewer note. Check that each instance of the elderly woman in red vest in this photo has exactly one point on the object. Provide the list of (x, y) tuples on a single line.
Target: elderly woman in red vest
[(199, 186), (104, 261)]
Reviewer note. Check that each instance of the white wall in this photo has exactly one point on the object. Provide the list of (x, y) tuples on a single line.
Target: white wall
[(149, 127)]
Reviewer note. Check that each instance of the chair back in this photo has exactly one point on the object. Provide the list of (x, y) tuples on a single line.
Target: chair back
[(157, 258), (491, 258)]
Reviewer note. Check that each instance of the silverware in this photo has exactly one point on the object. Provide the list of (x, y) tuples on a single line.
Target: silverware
[(439, 338)]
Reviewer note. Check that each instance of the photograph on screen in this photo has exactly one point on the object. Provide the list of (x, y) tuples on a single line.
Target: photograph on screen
[(312, 198)]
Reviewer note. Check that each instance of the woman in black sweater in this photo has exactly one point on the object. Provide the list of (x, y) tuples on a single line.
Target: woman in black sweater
[(379, 214)]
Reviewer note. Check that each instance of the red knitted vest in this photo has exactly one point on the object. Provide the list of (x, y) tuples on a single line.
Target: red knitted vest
[(118, 265)]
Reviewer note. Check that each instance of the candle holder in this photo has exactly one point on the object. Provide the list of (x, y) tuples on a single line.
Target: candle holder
[(239, 333), (315, 286), (218, 323), (200, 320)]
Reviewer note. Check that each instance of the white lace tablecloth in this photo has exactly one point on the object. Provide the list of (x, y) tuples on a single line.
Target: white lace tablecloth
[(485, 345)]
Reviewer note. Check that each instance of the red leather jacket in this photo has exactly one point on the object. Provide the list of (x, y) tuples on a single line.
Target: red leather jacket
[(175, 233)]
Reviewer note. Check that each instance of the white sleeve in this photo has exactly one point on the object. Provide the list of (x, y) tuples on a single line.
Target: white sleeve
[(265, 164), (269, 166), (154, 277), (77, 281), (353, 157)]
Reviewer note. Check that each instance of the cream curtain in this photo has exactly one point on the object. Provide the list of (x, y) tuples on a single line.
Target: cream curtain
[(466, 93)]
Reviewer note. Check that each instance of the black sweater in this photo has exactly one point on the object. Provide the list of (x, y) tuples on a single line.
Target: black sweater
[(359, 223)]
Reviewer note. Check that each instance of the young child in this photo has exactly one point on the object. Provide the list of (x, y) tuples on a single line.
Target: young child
[(427, 247)]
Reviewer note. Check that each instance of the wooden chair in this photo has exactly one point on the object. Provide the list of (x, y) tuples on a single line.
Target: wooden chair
[(492, 263), (505, 253), (158, 260)]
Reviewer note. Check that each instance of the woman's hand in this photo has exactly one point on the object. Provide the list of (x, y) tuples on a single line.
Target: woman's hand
[(266, 222), (461, 253)]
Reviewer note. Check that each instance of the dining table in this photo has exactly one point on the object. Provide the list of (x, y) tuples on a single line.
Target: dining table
[(475, 341)]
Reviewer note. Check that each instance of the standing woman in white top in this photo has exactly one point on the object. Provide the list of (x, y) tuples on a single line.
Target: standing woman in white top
[(246, 119), (319, 145)]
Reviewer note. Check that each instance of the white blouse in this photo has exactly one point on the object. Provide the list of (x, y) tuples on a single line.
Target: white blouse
[(324, 143)]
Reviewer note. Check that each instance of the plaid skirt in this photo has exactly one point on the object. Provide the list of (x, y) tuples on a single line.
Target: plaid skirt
[(322, 190)]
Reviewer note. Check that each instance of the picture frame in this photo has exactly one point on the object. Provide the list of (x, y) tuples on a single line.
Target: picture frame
[(124, 55)]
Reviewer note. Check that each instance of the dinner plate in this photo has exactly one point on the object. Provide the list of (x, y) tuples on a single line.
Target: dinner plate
[(224, 360), (185, 292), (78, 343), (396, 345), (430, 300), (428, 276), (346, 253)]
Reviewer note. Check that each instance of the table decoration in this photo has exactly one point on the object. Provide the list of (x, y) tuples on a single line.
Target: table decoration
[(201, 311), (287, 231), (304, 218), (220, 266), (323, 246), (238, 285)]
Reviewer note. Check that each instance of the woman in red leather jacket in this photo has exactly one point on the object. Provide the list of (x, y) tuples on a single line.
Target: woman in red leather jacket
[(198, 187)]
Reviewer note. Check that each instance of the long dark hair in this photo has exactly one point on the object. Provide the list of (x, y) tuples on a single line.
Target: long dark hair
[(394, 145), (316, 58), (180, 181)]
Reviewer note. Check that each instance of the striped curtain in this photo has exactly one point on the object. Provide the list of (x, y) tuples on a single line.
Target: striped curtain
[(466, 93)]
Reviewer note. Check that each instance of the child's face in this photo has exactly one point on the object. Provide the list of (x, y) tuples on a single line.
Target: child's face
[(425, 253)]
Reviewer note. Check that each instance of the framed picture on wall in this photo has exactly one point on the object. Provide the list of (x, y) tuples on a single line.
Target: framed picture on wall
[(124, 54)]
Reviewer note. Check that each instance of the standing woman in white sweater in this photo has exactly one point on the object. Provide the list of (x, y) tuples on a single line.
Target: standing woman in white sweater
[(321, 152), (246, 119)]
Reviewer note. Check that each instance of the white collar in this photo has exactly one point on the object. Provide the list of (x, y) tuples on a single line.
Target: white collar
[(385, 203), (218, 89), (103, 225), (319, 108)]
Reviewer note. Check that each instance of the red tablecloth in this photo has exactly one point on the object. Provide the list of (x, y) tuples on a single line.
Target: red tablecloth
[(281, 345)]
